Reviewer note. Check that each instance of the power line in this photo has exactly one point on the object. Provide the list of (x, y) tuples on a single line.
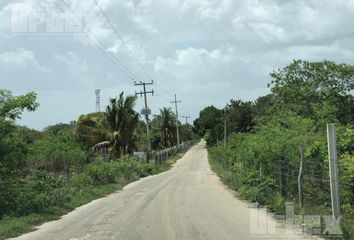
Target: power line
[(163, 89), (103, 49), (129, 50), (122, 39), (115, 60), (127, 47)]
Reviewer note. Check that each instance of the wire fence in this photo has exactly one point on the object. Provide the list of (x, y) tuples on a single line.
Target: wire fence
[(159, 156)]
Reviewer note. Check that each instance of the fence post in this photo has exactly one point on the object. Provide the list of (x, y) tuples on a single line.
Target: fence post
[(300, 177), (333, 170)]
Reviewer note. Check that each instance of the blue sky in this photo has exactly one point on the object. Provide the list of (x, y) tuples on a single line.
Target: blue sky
[(205, 51)]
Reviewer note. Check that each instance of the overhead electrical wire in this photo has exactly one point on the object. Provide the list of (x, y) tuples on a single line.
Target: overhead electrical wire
[(123, 41), (129, 50), (103, 49), (109, 55)]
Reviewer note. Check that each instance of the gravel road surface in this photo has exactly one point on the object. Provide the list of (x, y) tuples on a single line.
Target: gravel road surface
[(187, 202)]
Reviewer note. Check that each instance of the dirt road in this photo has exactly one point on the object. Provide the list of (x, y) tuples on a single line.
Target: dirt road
[(187, 202)]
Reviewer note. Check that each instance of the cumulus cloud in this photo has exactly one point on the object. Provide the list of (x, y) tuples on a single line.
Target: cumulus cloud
[(19, 60), (206, 51), (73, 62)]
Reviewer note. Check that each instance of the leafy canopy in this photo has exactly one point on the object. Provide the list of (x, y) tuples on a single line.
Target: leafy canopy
[(11, 107)]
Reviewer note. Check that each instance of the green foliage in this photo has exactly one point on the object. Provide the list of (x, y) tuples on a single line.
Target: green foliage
[(92, 128), (163, 127), (44, 174), (316, 90), (57, 152), (263, 165), (186, 133), (209, 121), (13, 226), (35, 194), (127, 169), (43, 196), (27, 135), (12, 148), (263, 105), (239, 116), (124, 120), (60, 127), (11, 107)]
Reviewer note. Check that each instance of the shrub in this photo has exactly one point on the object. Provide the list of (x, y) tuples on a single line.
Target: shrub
[(101, 174)]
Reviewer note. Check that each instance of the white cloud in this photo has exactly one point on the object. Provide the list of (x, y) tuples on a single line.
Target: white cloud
[(73, 62), (207, 51), (220, 74), (20, 60)]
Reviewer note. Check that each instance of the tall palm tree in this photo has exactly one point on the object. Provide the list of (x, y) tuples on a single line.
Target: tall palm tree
[(123, 120), (167, 127)]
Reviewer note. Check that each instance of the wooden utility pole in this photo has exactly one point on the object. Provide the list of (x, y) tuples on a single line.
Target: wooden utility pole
[(186, 127), (176, 102), (146, 111), (186, 117)]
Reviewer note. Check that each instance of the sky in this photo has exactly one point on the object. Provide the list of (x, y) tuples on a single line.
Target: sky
[(204, 51)]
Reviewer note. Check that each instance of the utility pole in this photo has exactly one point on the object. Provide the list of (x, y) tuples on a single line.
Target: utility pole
[(176, 102), (186, 128), (333, 170), (186, 117), (146, 111), (98, 100)]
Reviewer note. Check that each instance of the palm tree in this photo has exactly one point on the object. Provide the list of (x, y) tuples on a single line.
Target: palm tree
[(166, 124), (123, 120)]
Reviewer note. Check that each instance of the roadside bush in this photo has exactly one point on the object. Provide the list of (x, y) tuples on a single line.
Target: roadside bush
[(101, 174), (126, 169), (33, 195), (57, 152), (81, 180)]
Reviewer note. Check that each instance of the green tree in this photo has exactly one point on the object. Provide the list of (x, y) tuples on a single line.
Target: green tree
[(315, 89), (165, 124), (263, 105), (209, 124), (57, 152), (11, 107), (59, 127), (28, 135), (123, 120), (239, 116), (92, 128), (12, 148), (187, 132)]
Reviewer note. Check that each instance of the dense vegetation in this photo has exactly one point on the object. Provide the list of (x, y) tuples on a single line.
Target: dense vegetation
[(261, 159), (46, 173)]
